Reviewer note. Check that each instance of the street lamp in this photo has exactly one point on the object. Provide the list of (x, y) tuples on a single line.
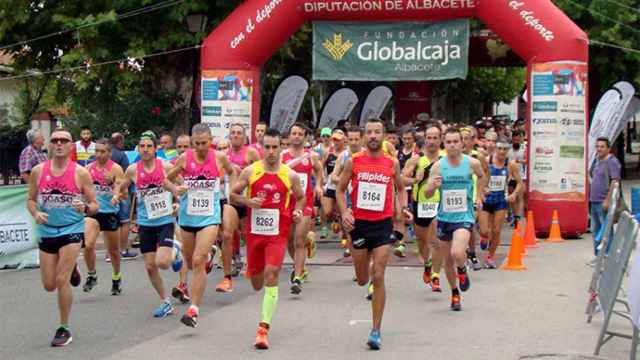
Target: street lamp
[(196, 23)]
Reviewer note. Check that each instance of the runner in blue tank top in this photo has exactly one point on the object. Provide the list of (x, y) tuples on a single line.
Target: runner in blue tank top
[(60, 193), (453, 175), (496, 203)]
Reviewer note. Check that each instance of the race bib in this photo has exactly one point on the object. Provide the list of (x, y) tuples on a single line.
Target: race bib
[(200, 202), (427, 210), (304, 180), (265, 221), (497, 183), (158, 205), (371, 196), (454, 201)]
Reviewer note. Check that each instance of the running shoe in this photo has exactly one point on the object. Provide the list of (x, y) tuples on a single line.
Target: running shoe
[(76, 278), (484, 243), (312, 247), (426, 274), (165, 308), (177, 261), (374, 341), (346, 253), (292, 276), (90, 283), (107, 258), (475, 263), (211, 260), (128, 255), (62, 337), (435, 284), (456, 305), (296, 286), (370, 291), (262, 343), (489, 262), (400, 251), (225, 285), (463, 279), (324, 232), (305, 275), (237, 265), (190, 318), (181, 293), (116, 288)]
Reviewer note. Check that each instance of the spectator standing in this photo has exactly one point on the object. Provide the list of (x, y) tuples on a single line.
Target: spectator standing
[(32, 155)]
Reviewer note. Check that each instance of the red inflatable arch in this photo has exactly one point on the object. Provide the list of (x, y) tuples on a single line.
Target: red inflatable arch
[(535, 29)]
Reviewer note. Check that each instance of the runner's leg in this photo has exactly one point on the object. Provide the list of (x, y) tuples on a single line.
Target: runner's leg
[(380, 259), (91, 231), (68, 256), (203, 242), (154, 274)]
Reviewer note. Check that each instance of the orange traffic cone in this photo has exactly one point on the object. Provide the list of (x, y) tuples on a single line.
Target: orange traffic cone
[(554, 232), (530, 240), (514, 261)]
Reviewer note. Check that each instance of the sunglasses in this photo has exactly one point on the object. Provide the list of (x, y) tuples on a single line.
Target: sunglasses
[(60, 141)]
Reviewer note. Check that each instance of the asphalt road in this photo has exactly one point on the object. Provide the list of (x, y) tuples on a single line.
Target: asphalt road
[(506, 315)]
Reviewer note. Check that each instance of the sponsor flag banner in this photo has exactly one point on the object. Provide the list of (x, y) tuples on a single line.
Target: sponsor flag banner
[(339, 106), (226, 99), (396, 51), (558, 102), (18, 238), (375, 103), (611, 115), (287, 102)]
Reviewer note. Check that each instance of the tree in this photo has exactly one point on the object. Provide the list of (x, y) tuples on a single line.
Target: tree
[(614, 22), (130, 95)]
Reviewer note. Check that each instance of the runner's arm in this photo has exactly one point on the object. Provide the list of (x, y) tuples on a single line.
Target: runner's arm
[(297, 190), (88, 190), (401, 193), (252, 155), (167, 184), (227, 166), (173, 172), (484, 162), (235, 195), (408, 171), (129, 175), (318, 173), (32, 198), (341, 187), (477, 168), (334, 177), (435, 180), (514, 171), (119, 180)]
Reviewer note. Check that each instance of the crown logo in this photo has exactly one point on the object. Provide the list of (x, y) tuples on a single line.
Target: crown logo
[(337, 48)]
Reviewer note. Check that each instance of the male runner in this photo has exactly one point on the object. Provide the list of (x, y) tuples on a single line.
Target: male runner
[(261, 127), (453, 176), (354, 137), (468, 143), (200, 212), (56, 189), (181, 290), (407, 151), (518, 153), (323, 147), (241, 156), (329, 163), (155, 208), (305, 163), (496, 203), (373, 176), (272, 190), (425, 210), (106, 176)]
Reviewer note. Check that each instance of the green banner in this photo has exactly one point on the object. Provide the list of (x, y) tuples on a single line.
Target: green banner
[(18, 238), (390, 51)]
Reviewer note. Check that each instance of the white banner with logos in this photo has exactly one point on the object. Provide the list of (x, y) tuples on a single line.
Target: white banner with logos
[(558, 102), (18, 239), (287, 102), (375, 103)]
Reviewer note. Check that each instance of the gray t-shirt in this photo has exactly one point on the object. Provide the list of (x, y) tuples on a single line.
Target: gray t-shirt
[(602, 172)]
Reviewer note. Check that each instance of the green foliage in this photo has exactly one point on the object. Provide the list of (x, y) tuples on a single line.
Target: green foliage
[(12, 137)]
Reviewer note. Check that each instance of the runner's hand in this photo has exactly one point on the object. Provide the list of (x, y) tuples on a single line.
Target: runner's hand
[(408, 216), (115, 200), (318, 193), (109, 178), (297, 216), (79, 205), (511, 198), (176, 207), (41, 218), (181, 189), (434, 183), (255, 203), (347, 220)]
